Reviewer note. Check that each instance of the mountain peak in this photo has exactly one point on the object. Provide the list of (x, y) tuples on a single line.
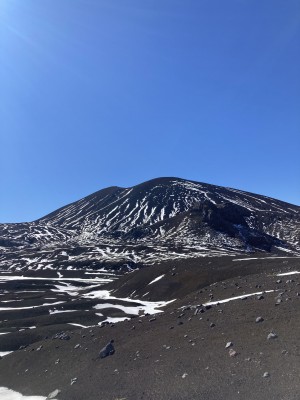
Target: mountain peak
[(162, 218)]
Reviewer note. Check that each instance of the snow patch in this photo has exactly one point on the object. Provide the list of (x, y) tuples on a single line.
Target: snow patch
[(3, 354), (60, 311), (261, 258), (113, 320), (289, 273), (146, 307), (212, 303), (156, 279), (8, 394)]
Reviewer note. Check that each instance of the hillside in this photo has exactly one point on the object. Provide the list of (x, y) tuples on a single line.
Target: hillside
[(162, 219)]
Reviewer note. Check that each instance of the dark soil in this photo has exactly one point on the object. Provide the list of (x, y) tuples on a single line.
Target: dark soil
[(179, 354)]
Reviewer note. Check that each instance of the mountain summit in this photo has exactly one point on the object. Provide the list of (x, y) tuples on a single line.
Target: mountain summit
[(161, 219)]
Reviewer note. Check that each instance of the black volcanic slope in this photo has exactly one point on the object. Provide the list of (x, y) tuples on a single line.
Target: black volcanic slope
[(65, 285), (162, 219), (180, 354)]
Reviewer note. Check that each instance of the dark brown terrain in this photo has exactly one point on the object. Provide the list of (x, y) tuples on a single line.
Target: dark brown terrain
[(177, 354), (148, 267)]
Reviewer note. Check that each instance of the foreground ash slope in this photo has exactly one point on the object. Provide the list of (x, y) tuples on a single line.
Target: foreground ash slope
[(165, 218)]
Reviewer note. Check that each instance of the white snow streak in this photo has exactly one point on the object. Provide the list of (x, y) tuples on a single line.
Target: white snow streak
[(156, 279), (8, 394), (212, 303), (289, 273)]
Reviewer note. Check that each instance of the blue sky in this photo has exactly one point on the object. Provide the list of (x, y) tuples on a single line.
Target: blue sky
[(98, 93)]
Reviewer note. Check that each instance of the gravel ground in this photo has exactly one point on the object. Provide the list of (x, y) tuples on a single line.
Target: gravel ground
[(181, 353)]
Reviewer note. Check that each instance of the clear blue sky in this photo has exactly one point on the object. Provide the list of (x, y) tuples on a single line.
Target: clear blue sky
[(97, 93)]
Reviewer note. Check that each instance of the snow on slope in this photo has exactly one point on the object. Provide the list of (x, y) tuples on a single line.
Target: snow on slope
[(160, 219)]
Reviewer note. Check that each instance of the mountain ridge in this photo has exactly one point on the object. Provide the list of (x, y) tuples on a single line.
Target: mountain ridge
[(165, 217)]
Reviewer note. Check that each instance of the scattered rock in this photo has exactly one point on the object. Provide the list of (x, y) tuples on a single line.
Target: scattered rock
[(259, 319), (53, 394), (232, 353), (184, 375), (228, 344), (77, 346), (266, 375), (272, 335), (61, 336), (108, 350)]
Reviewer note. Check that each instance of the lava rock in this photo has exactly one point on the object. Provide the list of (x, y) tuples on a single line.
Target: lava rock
[(259, 319), (108, 350), (272, 335)]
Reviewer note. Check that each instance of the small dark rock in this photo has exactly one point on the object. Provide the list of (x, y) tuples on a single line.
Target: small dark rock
[(259, 319), (272, 335), (108, 350)]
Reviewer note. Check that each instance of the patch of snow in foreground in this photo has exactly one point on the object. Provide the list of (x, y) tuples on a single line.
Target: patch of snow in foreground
[(212, 303), (114, 320), (82, 326), (150, 307), (156, 279), (10, 301), (28, 308), (3, 354), (27, 327), (261, 258), (60, 311), (289, 273), (8, 394), (100, 272), (127, 310)]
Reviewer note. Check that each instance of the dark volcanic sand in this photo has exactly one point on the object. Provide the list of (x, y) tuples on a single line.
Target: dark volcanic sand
[(179, 355)]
